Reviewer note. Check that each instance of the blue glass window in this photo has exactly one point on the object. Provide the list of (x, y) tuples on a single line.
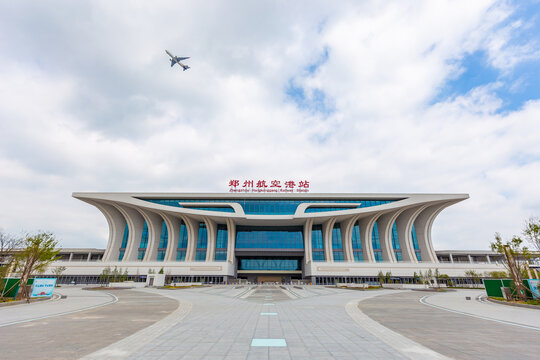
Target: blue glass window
[(317, 244), (395, 238), (144, 242), (357, 244), (200, 255), (202, 243), (221, 255), (144, 237), (376, 243), (269, 237), (180, 255), (124, 243), (140, 254), (282, 264), (318, 255), (160, 255), (415, 244), (126, 237), (182, 243), (268, 207), (163, 241), (337, 244), (221, 243), (395, 243)]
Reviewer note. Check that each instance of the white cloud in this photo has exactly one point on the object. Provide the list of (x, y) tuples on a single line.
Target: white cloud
[(88, 103)]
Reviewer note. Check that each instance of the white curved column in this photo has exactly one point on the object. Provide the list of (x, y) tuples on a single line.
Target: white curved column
[(153, 221), (231, 240), (117, 225), (366, 228), (423, 225), (308, 257), (135, 223), (404, 223), (193, 235), (346, 238), (327, 239), (211, 227), (385, 223), (173, 230)]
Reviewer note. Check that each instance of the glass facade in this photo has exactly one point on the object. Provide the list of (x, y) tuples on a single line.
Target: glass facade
[(163, 241), (278, 264), (221, 243), (415, 244), (337, 243), (202, 243), (357, 244), (269, 237), (376, 243), (395, 243), (182, 243), (144, 242), (317, 244), (268, 207), (124, 243)]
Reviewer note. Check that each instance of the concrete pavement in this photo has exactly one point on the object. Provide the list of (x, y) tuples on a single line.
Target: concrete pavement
[(77, 299), (77, 334)]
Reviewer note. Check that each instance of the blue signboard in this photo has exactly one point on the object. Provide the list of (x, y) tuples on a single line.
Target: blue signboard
[(43, 287), (533, 283)]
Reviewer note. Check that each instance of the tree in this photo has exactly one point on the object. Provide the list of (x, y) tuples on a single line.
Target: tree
[(105, 274), (57, 271), (517, 257), (380, 275), (8, 247), (37, 253), (475, 276), (497, 274), (531, 232)]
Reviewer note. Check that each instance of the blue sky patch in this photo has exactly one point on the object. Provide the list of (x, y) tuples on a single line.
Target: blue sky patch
[(515, 86)]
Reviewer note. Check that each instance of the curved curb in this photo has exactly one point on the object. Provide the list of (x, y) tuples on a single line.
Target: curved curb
[(423, 301), (536, 307), (398, 342), (114, 300), (129, 345)]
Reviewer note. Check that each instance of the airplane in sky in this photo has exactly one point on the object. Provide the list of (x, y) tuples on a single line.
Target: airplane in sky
[(177, 59)]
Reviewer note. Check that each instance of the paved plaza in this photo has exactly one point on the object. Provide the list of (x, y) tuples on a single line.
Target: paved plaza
[(268, 322)]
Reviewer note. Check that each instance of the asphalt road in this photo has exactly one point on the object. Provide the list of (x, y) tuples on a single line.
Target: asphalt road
[(454, 335)]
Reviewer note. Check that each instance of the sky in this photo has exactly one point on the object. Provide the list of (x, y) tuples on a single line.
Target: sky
[(354, 96)]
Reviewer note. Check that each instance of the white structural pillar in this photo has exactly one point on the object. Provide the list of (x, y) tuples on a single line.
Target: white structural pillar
[(231, 240), (135, 223), (211, 227), (404, 224), (327, 239), (117, 225), (366, 229), (308, 256), (193, 235), (385, 223), (346, 238), (173, 230), (423, 224), (154, 223)]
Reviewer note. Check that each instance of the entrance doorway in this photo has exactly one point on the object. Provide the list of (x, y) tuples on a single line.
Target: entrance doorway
[(269, 279)]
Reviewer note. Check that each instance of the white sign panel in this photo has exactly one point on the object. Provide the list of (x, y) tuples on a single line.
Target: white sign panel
[(43, 287)]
